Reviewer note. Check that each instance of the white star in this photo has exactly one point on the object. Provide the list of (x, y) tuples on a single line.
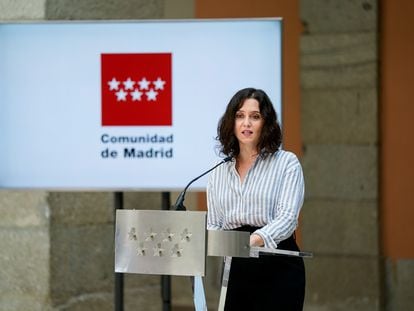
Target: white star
[(141, 249), (168, 235), (136, 95), (129, 84), (151, 95), (158, 250), (143, 84), (113, 84), (186, 235), (150, 236), (121, 95), (132, 234), (176, 251), (159, 84)]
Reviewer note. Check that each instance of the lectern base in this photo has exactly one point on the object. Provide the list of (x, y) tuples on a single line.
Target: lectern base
[(175, 243), (199, 294)]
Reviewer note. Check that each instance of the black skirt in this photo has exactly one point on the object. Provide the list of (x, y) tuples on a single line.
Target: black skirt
[(267, 283)]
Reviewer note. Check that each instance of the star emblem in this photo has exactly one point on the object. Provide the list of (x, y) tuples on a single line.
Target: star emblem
[(113, 84), (121, 95), (186, 235), (168, 235), (150, 236), (141, 249), (151, 95), (129, 84), (158, 250), (143, 84), (176, 251), (136, 95), (132, 235), (159, 84)]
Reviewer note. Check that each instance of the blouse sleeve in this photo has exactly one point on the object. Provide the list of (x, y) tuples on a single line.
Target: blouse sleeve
[(288, 207), (214, 213)]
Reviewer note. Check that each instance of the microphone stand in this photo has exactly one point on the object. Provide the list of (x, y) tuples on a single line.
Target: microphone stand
[(179, 203)]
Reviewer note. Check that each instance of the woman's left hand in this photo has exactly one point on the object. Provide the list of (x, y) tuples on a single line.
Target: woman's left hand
[(256, 240)]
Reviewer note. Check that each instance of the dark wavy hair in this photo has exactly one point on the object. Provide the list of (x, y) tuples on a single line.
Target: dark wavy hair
[(271, 134)]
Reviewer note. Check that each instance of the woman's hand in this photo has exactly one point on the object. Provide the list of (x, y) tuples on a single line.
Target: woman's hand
[(256, 240)]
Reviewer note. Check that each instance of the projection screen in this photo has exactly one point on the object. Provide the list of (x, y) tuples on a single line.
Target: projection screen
[(125, 105)]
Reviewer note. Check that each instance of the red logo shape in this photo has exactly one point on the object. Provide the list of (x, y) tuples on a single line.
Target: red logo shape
[(136, 89)]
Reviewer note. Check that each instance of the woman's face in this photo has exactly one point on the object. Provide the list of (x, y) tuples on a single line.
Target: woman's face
[(248, 123)]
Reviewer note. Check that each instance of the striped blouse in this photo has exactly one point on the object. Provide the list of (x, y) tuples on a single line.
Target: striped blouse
[(270, 197)]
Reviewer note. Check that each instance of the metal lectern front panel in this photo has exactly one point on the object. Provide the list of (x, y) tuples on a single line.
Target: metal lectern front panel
[(160, 242), (228, 243)]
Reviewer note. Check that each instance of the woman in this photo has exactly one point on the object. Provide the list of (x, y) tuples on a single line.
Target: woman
[(260, 191)]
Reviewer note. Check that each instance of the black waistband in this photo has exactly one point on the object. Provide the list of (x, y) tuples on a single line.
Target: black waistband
[(288, 244)]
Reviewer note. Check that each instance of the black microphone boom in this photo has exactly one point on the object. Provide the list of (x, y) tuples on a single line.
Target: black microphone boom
[(179, 204)]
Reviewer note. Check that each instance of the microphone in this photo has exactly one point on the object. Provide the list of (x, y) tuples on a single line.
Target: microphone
[(179, 204)]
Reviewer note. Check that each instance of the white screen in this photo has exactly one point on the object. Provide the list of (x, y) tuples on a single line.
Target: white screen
[(50, 99)]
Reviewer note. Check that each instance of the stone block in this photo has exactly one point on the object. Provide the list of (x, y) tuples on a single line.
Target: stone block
[(400, 284), (89, 302), (191, 199), (82, 261), (23, 209), (405, 277), (110, 9), (340, 227), (18, 301), (143, 298), (340, 116), (179, 9), (81, 208), (327, 16), (181, 291), (153, 200), (142, 292), (24, 258), (342, 284), (344, 172), (143, 200), (335, 77), (339, 61), (334, 50), (22, 9)]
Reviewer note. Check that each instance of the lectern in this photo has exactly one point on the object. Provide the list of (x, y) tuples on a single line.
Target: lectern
[(177, 243)]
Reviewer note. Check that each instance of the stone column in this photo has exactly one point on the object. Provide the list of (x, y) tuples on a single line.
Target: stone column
[(339, 75)]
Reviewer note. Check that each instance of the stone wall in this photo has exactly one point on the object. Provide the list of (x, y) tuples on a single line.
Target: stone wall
[(81, 250), (339, 74), (108, 9), (25, 250)]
